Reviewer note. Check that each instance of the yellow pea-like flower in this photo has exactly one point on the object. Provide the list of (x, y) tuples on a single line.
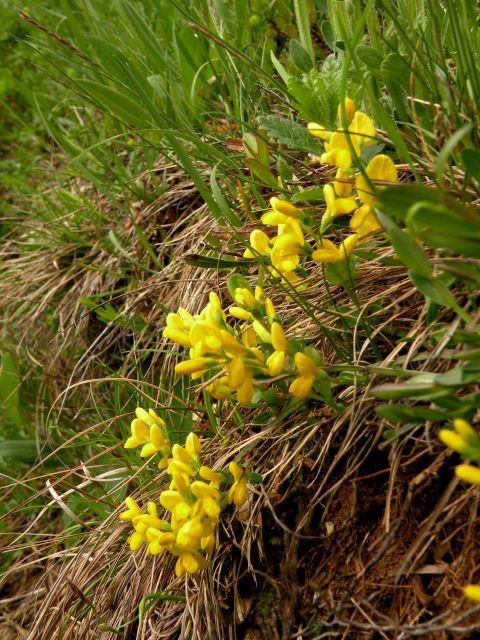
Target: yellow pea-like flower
[(245, 392), (287, 208), (453, 440), (381, 168), (318, 131), (364, 221), (194, 365), (133, 510), (472, 591), (279, 339), (212, 476), (238, 491), (349, 110), (468, 473), (275, 362)]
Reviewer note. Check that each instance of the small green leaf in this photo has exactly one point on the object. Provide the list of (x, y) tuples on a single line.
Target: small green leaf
[(433, 289), (261, 172), (289, 134), (371, 57), (471, 161), (215, 262), (407, 249), (254, 478), (20, 450), (312, 194), (396, 391), (404, 413), (299, 57)]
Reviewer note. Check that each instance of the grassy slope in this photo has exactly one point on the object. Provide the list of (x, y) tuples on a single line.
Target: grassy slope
[(100, 259)]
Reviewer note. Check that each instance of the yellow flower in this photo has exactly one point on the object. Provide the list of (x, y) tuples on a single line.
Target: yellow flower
[(219, 389), (349, 110), (209, 474), (468, 473), (362, 130), (189, 562), (472, 591), (364, 221), (158, 541), (343, 189), (132, 511), (195, 365), (259, 241), (148, 430), (238, 491), (302, 385), (318, 131), (287, 208), (380, 168), (276, 360), (464, 439), (337, 151), (327, 252), (285, 252), (335, 206), (178, 327), (466, 430), (236, 373), (245, 391)]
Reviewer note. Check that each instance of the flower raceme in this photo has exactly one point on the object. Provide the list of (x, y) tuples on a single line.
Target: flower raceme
[(240, 360), (194, 501)]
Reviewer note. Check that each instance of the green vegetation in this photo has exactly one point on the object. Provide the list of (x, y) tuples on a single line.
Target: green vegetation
[(260, 221)]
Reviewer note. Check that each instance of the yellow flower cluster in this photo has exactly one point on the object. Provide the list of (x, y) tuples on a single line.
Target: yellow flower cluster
[(149, 430), (194, 500), (285, 248), (236, 359), (339, 145), (465, 441)]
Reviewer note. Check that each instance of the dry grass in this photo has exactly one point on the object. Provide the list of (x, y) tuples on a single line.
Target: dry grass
[(347, 537)]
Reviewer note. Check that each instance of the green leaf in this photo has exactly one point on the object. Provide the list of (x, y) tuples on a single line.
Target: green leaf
[(20, 450), (116, 103), (327, 33), (289, 134), (433, 289), (338, 272), (282, 72), (396, 391), (237, 281), (407, 249), (261, 172), (448, 149), (370, 56), (471, 161), (222, 203), (254, 478), (10, 386), (312, 194), (302, 8), (299, 56), (404, 413), (216, 262)]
